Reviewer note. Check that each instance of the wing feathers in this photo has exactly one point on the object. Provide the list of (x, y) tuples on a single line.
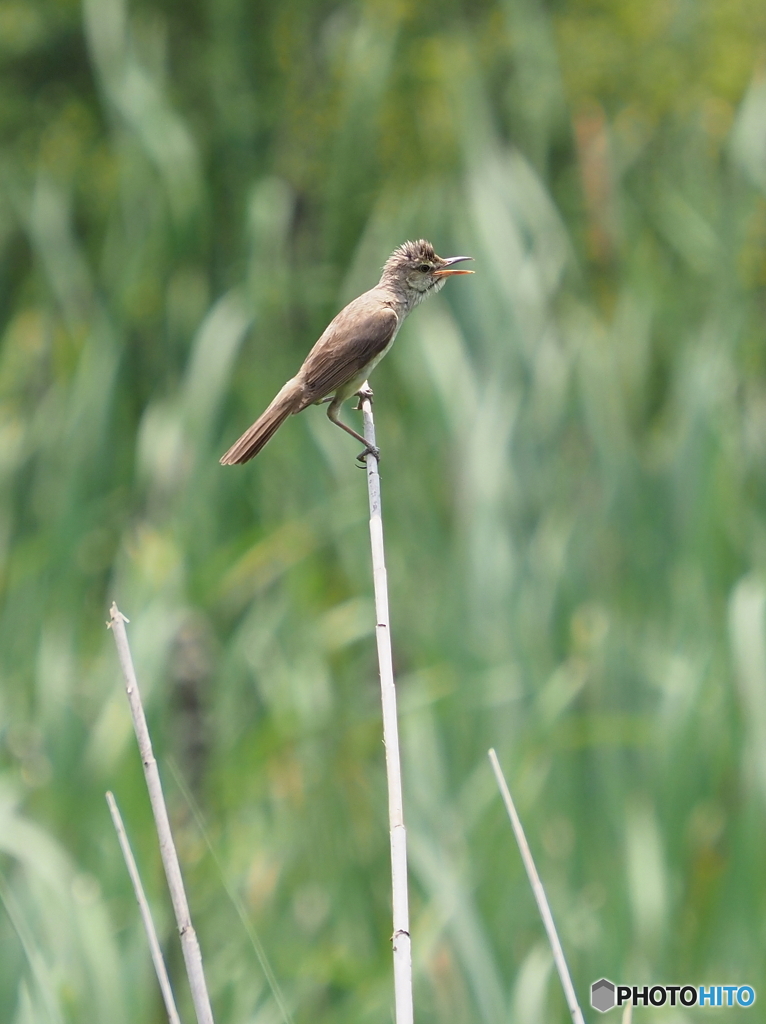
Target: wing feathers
[(359, 333)]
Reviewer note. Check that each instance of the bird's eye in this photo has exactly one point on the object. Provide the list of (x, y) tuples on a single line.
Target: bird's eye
[(424, 268)]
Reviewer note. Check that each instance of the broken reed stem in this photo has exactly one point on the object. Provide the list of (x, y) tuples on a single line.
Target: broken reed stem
[(146, 915), (401, 936), (539, 892), (189, 944)]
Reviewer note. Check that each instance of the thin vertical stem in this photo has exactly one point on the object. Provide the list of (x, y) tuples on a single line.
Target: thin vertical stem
[(189, 943), (401, 936), (539, 892), (146, 915)]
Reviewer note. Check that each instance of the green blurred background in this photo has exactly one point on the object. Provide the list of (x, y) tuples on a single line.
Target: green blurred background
[(573, 479)]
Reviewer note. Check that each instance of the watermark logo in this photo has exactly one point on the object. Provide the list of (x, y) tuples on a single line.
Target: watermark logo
[(604, 995)]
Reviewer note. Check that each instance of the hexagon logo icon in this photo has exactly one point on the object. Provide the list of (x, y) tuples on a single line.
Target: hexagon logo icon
[(602, 995)]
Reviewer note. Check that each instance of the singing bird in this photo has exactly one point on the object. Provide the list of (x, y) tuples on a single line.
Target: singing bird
[(351, 347)]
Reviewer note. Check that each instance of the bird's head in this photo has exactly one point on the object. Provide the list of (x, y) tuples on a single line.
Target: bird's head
[(415, 267)]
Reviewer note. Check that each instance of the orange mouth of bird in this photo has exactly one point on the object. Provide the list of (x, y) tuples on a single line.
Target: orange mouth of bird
[(447, 270)]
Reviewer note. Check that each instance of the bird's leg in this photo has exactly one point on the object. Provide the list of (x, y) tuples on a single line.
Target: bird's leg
[(365, 391), (332, 412)]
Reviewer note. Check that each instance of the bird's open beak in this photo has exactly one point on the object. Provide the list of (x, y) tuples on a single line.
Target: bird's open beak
[(447, 270)]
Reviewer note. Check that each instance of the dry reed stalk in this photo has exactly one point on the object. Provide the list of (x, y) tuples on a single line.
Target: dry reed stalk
[(146, 914), (539, 893), (189, 943), (401, 935)]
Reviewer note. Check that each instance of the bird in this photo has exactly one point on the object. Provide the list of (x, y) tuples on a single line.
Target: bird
[(339, 364)]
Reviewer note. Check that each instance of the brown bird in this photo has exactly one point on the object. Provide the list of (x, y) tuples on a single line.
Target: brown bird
[(339, 364)]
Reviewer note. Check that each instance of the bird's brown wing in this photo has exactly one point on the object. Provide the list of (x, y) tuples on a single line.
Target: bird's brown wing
[(358, 333)]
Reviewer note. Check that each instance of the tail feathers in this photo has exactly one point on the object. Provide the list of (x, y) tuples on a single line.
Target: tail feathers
[(289, 400)]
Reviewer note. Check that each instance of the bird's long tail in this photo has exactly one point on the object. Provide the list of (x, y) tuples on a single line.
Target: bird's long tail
[(289, 400)]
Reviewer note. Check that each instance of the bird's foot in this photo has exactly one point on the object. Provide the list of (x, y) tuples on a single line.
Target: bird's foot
[(365, 391), (371, 449)]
